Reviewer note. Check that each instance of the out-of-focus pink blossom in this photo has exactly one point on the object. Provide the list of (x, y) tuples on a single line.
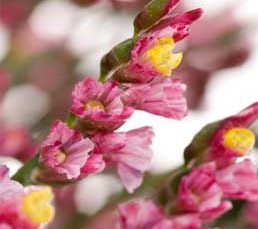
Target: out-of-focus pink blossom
[(239, 180), (15, 141), (13, 12), (186, 221), (140, 214), (99, 105), (227, 44), (147, 215), (130, 151), (200, 193), (161, 97), (65, 151)]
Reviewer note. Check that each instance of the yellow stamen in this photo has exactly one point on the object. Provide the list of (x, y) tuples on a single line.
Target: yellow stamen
[(94, 104), (37, 206), (239, 139), (60, 156), (161, 56)]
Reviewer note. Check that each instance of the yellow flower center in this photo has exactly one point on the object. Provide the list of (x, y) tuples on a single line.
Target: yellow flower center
[(239, 139), (94, 104), (60, 156), (161, 56), (37, 205)]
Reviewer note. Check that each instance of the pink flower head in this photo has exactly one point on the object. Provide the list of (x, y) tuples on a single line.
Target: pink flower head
[(161, 97), (186, 221), (99, 105), (199, 193), (233, 138), (8, 188), (130, 151), (239, 180), (140, 214), (65, 151), (23, 208), (152, 54)]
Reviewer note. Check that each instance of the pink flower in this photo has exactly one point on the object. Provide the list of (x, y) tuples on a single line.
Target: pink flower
[(23, 208), (99, 105), (233, 138), (140, 214), (65, 151), (199, 193), (161, 97), (186, 221), (130, 151), (8, 188), (239, 180), (15, 141), (152, 54)]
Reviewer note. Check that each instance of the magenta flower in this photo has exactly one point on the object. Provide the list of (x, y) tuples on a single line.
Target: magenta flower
[(161, 97), (23, 208), (199, 193), (233, 138), (130, 151), (99, 105), (239, 180), (140, 214), (65, 151), (152, 54)]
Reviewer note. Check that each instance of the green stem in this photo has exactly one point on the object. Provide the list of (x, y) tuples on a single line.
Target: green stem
[(24, 174)]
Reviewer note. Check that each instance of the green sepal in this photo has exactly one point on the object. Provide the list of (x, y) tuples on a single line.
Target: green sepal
[(118, 55), (149, 15), (199, 145)]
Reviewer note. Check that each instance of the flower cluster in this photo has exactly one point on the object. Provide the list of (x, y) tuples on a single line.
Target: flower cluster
[(204, 190), (90, 142), (20, 207)]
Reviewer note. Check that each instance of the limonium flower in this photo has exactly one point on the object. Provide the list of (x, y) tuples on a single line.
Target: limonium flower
[(200, 193), (147, 215), (139, 214), (65, 151), (99, 105), (239, 180), (129, 151), (233, 138), (21, 208), (152, 55), (161, 97)]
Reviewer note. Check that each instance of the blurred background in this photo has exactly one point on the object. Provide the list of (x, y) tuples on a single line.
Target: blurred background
[(46, 46)]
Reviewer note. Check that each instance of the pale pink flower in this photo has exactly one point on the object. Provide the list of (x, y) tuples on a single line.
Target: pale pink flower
[(200, 193), (162, 97), (65, 151), (140, 214), (8, 188), (130, 151), (239, 180), (99, 105)]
